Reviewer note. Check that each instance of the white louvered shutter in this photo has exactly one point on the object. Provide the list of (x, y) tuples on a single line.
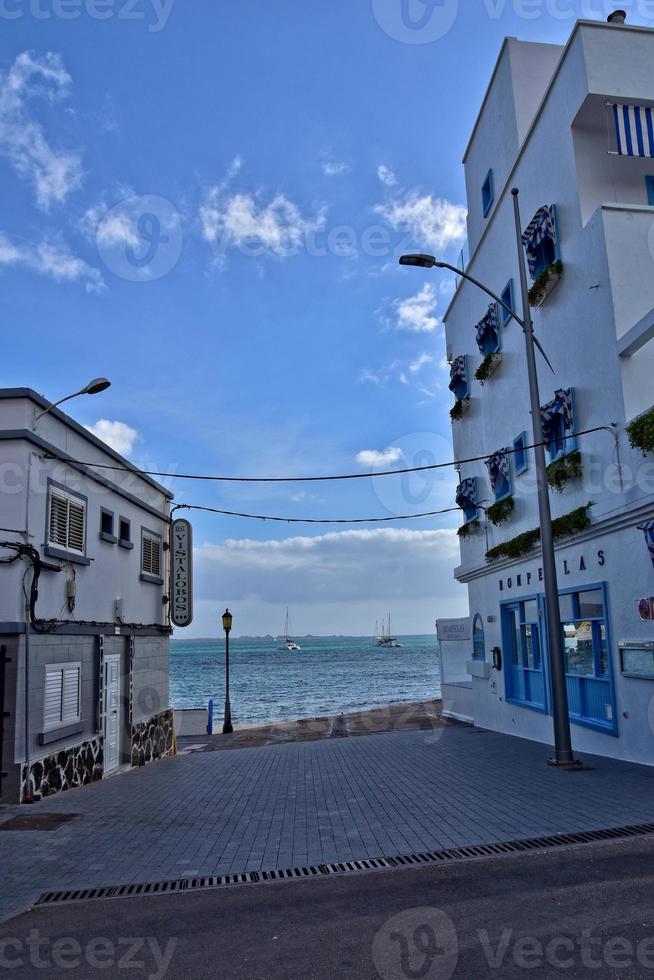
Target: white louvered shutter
[(70, 698), (76, 518), (58, 525), (150, 554), (53, 694), (67, 521), (156, 556)]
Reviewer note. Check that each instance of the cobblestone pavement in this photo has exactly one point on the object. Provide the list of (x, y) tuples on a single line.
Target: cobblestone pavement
[(312, 802)]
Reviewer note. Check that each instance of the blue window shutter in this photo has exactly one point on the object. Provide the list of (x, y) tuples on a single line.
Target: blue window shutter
[(488, 193), (649, 181)]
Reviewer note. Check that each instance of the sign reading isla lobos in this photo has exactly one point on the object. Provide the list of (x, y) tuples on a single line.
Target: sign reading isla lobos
[(181, 573)]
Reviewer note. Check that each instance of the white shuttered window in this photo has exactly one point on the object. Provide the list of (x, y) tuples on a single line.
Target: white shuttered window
[(62, 694), (150, 554), (66, 521)]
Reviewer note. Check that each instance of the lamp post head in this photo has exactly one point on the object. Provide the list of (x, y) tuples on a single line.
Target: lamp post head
[(617, 17), (418, 259), (96, 386), (227, 621)]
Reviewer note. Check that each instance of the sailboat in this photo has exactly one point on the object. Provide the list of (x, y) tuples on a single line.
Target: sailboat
[(287, 643), (386, 640)]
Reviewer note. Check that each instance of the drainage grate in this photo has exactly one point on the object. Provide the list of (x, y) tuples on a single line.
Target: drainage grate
[(346, 867), (37, 821)]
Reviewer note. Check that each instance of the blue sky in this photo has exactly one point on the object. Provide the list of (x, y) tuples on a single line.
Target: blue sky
[(205, 202)]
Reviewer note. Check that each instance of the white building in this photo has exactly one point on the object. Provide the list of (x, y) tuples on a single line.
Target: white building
[(547, 127), (84, 663)]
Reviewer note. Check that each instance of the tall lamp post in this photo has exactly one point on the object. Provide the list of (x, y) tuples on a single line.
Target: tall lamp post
[(94, 387), (227, 626), (563, 757)]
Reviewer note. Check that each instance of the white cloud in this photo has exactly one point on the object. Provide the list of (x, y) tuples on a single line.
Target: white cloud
[(419, 362), (386, 175), (50, 258), (53, 172), (242, 220), (333, 567), (335, 168), (374, 458), (118, 435), (416, 313), (432, 222)]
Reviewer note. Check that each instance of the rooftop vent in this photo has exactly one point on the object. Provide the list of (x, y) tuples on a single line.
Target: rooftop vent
[(617, 17)]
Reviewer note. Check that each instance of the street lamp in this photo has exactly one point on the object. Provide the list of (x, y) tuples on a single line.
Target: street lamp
[(563, 757), (227, 723), (92, 388)]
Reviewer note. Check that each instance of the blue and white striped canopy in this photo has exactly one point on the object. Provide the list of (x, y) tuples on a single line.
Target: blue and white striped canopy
[(499, 464), (489, 324), (458, 372), (466, 493), (541, 226), (561, 404), (649, 537), (634, 130)]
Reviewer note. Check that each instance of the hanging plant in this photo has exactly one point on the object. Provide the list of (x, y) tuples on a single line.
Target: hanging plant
[(500, 511), (456, 412), (467, 529), (487, 367), (563, 469), (563, 527), (545, 283), (641, 432)]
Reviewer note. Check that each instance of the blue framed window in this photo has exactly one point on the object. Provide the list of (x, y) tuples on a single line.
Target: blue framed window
[(467, 495), (521, 454), (558, 430), (487, 193), (649, 183), (503, 486), (541, 241), (470, 512), (507, 299), (545, 254), (478, 641), (499, 472), (460, 377)]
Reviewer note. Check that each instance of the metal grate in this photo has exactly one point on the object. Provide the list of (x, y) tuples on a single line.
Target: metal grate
[(37, 821), (346, 867)]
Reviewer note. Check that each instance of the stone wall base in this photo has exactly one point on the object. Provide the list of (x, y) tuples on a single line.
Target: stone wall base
[(153, 739), (71, 767)]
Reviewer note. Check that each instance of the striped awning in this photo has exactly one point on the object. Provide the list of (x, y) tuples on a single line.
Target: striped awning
[(466, 493), (458, 372), (649, 537), (541, 226), (499, 464), (634, 130), (561, 404), (488, 326)]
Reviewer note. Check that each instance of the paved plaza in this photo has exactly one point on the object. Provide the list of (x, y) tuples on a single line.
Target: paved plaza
[(313, 802)]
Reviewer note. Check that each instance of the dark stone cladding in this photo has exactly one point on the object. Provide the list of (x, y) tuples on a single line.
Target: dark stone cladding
[(153, 739), (75, 766)]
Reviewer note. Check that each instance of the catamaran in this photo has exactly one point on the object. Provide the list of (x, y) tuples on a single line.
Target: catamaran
[(287, 643), (385, 639)]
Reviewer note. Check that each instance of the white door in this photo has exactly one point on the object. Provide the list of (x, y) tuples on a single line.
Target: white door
[(112, 719)]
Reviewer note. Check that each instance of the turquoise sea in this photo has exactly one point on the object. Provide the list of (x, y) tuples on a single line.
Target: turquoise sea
[(327, 676)]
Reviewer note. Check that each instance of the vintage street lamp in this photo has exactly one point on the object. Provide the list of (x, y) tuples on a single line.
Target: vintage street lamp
[(227, 723), (94, 387)]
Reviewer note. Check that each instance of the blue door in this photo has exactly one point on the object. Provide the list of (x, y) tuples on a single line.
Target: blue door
[(525, 666)]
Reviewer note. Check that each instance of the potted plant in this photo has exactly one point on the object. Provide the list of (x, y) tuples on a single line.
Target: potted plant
[(499, 512), (563, 469), (641, 432), (488, 366), (545, 283), (457, 410), (467, 529)]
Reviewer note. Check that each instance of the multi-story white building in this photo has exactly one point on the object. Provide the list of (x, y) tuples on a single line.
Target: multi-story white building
[(84, 615), (571, 128)]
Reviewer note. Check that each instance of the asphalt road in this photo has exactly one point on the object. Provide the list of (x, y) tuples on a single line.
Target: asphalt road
[(585, 911)]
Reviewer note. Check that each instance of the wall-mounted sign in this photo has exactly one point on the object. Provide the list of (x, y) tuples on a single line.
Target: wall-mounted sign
[(453, 629), (181, 573), (646, 609), (567, 566)]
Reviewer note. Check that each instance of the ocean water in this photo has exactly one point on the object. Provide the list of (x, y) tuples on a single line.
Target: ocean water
[(326, 677)]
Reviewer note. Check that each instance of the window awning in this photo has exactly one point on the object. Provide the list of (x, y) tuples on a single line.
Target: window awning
[(634, 130), (561, 405), (458, 372), (466, 493), (649, 537), (488, 325), (499, 464), (541, 226)]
